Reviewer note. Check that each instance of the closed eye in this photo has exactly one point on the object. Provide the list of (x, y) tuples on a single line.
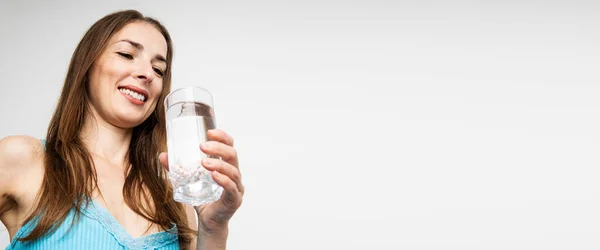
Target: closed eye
[(125, 55), (159, 72)]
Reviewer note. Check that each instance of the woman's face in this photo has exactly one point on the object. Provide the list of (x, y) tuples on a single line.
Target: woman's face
[(125, 82)]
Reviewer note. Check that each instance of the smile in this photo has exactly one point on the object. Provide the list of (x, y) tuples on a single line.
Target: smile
[(133, 94)]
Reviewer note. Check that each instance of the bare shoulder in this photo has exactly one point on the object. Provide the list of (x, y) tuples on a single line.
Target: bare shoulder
[(18, 155), (18, 150), (21, 172)]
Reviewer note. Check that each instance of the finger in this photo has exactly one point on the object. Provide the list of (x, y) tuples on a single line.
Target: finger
[(164, 160), (226, 169), (232, 198), (221, 136), (226, 152)]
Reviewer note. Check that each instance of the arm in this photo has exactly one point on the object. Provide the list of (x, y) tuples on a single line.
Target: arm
[(192, 223), (205, 240), (212, 241), (17, 155)]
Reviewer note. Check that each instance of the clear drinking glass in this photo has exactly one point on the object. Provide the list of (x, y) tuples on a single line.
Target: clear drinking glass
[(190, 115)]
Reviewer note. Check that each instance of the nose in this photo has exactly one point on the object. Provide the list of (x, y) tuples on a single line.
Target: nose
[(144, 72)]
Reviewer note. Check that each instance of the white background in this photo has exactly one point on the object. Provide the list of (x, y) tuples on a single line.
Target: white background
[(369, 124)]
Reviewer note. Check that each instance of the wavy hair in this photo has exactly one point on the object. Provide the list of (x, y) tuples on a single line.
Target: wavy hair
[(70, 177)]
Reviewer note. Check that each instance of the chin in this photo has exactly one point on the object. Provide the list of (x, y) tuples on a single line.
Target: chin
[(130, 121), (127, 124)]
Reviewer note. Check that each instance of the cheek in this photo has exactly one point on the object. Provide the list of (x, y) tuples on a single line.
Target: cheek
[(95, 84), (113, 71), (157, 90), (105, 75)]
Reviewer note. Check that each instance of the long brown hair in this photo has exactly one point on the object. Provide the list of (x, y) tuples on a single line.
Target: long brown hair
[(70, 176)]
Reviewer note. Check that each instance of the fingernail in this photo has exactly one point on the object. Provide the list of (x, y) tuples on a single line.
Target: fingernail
[(206, 145), (206, 162)]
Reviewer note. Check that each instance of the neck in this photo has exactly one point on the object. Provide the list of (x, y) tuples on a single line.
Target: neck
[(105, 140)]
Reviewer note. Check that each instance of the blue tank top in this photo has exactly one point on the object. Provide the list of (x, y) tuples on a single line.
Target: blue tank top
[(96, 228)]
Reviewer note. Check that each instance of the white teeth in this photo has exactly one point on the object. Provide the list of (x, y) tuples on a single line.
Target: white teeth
[(133, 94)]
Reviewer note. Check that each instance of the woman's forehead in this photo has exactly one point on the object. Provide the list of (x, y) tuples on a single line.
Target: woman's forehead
[(142, 35)]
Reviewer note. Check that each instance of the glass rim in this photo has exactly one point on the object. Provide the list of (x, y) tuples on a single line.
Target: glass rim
[(193, 87)]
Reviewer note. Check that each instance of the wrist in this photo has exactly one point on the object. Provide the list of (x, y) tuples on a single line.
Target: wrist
[(210, 226), (213, 232), (212, 239)]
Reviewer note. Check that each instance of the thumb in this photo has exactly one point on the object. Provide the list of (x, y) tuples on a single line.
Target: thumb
[(164, 160)]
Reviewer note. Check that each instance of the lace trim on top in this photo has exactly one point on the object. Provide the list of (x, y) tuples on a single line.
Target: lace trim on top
[(155, 240)]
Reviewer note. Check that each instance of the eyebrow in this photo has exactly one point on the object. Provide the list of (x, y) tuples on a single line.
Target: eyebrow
[(141, 47)]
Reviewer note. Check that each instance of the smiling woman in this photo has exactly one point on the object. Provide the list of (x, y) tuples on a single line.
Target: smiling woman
[(137, 50), (96, 181)]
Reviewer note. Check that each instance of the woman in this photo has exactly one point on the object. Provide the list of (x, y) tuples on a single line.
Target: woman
[(96, 181)]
